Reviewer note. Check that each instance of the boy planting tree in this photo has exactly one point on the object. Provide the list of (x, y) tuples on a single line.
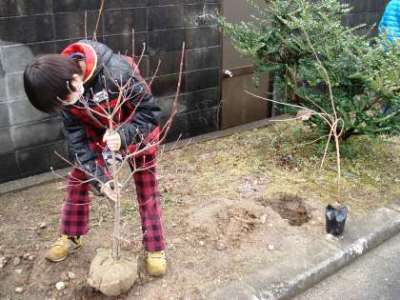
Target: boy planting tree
[(83, 81)]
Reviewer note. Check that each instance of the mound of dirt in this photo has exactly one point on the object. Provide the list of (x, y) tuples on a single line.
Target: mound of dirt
[(235, 224), (227, 223)]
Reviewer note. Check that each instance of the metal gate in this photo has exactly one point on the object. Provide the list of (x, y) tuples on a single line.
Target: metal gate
[(237, 106)]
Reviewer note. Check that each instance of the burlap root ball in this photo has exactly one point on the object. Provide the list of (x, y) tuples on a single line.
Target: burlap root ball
[(112, 277)]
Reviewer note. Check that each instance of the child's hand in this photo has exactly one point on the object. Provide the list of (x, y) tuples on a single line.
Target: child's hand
[(112, 139), (108, 190)]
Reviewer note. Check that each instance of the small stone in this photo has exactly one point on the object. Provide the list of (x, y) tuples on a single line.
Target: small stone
[(31, 257), (18, 271), (42, 225), (201, 243), (3, 262), (19, 290), (71, 275), (271, 247), (263, 219), (330, 237), (16, 261), (177, 241), (26, 255), (60, 285), (220, 246), (164, 284)]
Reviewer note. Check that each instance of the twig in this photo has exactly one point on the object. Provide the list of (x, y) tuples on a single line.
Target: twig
[(98, 20), (336, 119), (86, 32)]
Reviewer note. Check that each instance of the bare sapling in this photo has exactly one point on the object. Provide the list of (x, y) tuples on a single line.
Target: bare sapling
[(100, 275)]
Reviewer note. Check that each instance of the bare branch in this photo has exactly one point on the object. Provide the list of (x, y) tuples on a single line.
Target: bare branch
[(98, 20), (86, 31), (325, 117)]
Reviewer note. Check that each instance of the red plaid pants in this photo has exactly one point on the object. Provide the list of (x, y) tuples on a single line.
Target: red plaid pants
[(75, 210)]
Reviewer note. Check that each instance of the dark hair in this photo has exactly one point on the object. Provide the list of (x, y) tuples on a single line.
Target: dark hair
[(46, 79)]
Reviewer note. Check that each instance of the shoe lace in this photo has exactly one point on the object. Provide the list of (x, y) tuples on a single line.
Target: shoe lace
[(157, 255), (64, 240)]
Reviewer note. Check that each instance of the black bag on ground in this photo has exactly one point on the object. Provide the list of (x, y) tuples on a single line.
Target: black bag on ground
[(335, 219)]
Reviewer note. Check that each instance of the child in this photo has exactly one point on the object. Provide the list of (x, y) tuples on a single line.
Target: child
[(390, 22), (85, 75)]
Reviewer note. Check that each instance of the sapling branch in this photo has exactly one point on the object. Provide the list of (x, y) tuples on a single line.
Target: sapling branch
[(115, 167), (337, 120)]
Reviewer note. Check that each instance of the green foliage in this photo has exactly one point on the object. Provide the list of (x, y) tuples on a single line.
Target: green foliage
[(364, 72)]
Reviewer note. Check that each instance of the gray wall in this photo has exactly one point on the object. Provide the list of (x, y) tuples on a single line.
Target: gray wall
[(29, 138)]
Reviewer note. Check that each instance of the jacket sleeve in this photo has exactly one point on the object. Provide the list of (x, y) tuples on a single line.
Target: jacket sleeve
[(390, 22), (78, 143), (147, 114)]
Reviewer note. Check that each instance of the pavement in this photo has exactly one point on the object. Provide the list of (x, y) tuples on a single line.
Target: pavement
[(375, 276)]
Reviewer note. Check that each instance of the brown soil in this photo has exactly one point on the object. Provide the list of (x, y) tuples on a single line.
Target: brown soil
[(224, 213), (290, 207)]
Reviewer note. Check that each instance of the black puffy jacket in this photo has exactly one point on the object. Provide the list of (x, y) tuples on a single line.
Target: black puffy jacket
[(103, 68)]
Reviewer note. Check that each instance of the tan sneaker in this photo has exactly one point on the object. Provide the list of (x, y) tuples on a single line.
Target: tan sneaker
[(62, 248), (156, 263)]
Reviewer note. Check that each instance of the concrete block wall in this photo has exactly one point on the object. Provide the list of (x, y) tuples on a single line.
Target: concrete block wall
[(28, 28), (367, 12)]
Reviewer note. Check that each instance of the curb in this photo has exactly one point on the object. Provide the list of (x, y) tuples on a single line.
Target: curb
[(26, 183), (243, 290)]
